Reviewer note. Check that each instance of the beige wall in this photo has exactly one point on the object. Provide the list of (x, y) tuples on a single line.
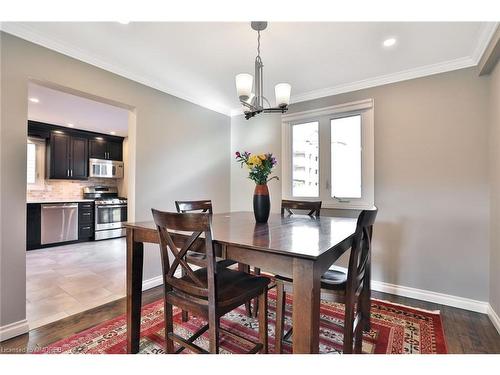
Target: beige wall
[(260, 134), (495, 190), (165, 164), (431, 179)]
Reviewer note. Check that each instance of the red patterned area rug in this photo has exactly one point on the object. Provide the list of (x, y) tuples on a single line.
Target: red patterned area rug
[(396, 329)]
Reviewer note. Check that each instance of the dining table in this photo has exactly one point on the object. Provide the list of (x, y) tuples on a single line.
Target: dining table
[(296, 246)]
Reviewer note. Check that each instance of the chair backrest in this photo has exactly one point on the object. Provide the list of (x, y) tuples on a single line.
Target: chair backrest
[(192, 226), (313, 207), (360, 250), (189, 206)]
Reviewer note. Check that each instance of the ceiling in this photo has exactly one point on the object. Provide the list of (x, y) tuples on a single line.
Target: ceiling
[(59, 108), (198, 61)]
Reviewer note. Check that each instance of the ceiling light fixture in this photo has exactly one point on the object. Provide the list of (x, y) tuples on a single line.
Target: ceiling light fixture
[(34, 100), (253, 103), (112, 133), (389, 42)]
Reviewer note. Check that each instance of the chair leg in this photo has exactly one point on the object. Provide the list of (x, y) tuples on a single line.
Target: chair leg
[(255, 310), (263, 322), (169, 328), (280, 317), (213, 332), (348, 327), (366, 299), (358, 339), (248, 305), (184, 313)]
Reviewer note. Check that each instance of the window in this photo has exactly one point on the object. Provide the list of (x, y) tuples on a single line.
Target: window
[(35, 163), (328, 155), (305, 157)]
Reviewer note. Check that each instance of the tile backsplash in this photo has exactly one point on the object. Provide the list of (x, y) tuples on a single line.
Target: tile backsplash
[(65, 189)]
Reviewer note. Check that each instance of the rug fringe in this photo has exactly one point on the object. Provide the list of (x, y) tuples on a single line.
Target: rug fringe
[(436, 312)]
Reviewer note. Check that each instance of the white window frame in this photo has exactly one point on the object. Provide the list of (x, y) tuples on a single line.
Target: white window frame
[(40, 164), (323, 116)]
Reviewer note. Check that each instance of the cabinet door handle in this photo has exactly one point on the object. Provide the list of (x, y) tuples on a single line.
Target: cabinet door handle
[(67, 172), (71, 172), (86, 213), (85, 227)]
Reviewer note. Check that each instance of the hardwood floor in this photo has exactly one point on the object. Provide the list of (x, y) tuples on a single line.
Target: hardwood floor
[(465, 331)]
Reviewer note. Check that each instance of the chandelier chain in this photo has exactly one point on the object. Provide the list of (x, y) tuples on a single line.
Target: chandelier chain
[(258, 43)]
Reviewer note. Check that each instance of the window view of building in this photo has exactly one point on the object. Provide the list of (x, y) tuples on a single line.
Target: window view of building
[(305, 160)]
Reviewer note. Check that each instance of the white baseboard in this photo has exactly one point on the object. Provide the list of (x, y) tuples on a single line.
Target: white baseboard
[(429, 296), (495, 319), (13, 329), (151, 283)]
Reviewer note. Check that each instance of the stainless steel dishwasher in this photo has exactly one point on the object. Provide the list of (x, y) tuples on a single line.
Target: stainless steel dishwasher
[(59, 222)]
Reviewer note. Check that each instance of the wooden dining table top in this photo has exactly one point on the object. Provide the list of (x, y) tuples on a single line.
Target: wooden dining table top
[(298, 236)]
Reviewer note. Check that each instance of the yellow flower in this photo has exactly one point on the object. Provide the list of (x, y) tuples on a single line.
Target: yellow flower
[(253, 161), (262, 156)]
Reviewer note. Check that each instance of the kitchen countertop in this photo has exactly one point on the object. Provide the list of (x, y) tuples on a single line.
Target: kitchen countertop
[(60, 201)]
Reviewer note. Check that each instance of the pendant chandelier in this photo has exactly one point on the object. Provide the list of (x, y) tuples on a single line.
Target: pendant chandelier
[(254, 103)]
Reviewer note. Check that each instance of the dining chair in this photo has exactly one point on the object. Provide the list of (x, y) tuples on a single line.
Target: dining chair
[(196, 257), (349, 286), (190, 206), (209, 292), (314, 208)]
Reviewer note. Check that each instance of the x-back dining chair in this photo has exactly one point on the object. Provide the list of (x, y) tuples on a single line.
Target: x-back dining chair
[(350, 287), (287, 206), (196, 257), (209, 292)]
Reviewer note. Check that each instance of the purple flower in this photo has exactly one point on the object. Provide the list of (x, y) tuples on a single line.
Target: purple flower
[(238, 155)]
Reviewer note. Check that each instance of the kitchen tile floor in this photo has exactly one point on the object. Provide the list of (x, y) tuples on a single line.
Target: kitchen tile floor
[(65, 280)]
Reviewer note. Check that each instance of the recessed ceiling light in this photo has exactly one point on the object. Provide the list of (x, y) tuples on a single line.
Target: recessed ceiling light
[(124, 22), (389, 42), (70, 125), (112, 133), (99, 138), (34, 100)]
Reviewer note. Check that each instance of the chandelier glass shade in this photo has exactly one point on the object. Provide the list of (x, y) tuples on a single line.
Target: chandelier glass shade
[(253, 101)]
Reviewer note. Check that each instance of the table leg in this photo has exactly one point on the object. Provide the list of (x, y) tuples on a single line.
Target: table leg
[(306, 303), (135, 255)]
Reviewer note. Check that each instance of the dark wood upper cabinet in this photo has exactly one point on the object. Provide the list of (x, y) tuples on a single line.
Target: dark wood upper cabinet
[(58, 156), (69, 150), (79, 158), (103, 148), (67, 157), (98, 148), (115, 150)]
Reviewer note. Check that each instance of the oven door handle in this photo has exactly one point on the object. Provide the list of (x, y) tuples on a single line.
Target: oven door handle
[(111, 206)]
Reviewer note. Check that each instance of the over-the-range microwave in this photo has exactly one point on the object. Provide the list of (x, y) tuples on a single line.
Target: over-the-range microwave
[(105, 168)]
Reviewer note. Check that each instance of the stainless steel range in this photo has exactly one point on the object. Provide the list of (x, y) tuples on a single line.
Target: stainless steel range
[(110, 211)]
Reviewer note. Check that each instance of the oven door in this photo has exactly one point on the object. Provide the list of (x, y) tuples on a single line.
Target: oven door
[(110, 216)]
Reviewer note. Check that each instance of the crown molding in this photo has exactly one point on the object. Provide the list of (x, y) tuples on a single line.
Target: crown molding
[(27, 33), (446, 66), (485, 34)]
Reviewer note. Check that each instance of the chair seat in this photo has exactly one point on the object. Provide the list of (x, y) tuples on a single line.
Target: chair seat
[(235, 287), (333, 279)]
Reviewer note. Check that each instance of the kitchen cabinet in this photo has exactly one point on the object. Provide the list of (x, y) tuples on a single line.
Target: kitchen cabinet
[(33, 226), (85, 221), (104, 148), (67, 156)]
